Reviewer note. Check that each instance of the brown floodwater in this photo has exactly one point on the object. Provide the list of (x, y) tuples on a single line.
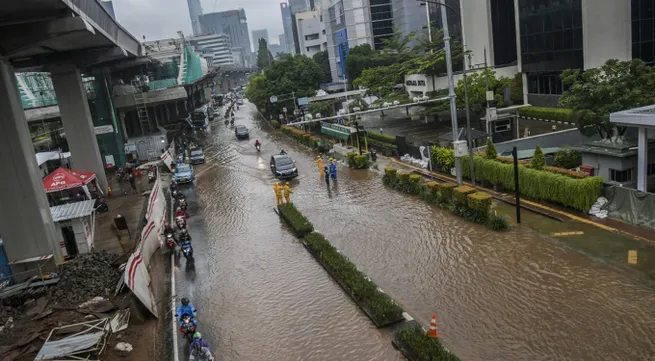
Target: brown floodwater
[(498, 296)]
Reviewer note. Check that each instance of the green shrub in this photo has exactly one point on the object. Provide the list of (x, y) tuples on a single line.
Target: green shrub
[(403, 176), (490, 151), (383, 148), (391, 177), (538, 160), (444, 158), (539, 185), (446, 191), (479, 206), (558, 114), (498, 223), (275, 124), (417, 346), (361, 161), (381, 307), (299, 223), (460, 195), (391, 139), (351, 159), (567, 158)]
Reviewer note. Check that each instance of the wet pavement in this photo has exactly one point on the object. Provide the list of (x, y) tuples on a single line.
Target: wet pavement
[(498, 296)]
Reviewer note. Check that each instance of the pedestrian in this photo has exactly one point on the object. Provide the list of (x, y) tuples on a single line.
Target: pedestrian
[(327, 175), (132, 183), (287, 192), (333, 170), (278, 193), (319, 163)]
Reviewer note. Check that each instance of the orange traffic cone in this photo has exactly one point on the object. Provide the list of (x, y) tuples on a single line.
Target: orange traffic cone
[(433, 327), (108, 191)]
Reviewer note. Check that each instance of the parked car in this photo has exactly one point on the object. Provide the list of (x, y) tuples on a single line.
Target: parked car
[(239, 101), (283, 167), (197, 156), (183, 173), (242, 132)]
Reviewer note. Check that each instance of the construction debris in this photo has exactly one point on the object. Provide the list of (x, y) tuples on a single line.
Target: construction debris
[(88, 275)]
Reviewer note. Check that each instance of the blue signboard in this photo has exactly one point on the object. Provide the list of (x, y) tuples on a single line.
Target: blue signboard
[(341, 38)]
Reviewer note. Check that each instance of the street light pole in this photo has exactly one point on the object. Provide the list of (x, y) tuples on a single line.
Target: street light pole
[(451, 92)]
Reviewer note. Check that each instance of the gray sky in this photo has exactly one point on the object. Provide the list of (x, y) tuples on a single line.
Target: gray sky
[(159, 19)]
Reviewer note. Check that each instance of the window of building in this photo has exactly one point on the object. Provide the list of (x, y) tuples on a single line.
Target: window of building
[(643, 29), (551, 35), (504, 31), (621, 176), (545, 83), (650, 169)]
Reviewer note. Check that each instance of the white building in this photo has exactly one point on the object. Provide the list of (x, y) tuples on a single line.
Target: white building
[(219, 44), (311, 32)]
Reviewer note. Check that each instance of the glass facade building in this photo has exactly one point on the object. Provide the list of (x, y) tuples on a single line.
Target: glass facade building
[(503, 24), (381, 21), (643, 30)]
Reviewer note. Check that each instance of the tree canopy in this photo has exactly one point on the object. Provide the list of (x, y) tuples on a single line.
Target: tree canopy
[(264, 57), (595, 93), (476, 83), (298, 74), (322, 59)]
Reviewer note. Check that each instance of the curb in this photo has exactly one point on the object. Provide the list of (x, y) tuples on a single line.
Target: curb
[(176, 356), (549, 121)]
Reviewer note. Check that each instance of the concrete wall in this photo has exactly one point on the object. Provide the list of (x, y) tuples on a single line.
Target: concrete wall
[(153, 97), (554, 139), (606, 31), (603, 163), (441, 83), (477, 30)]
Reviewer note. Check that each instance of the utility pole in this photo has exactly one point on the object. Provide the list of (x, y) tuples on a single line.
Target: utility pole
[(469, 142)]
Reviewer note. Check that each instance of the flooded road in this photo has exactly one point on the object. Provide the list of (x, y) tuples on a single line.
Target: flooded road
[(498, 296), (260, 295)]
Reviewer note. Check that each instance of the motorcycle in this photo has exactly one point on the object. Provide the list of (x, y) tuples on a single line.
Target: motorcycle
[(258, 146), (181, 222), (101, 205), (187, 251), (182, 203), (151, 177), (171, 242), (187, 328)]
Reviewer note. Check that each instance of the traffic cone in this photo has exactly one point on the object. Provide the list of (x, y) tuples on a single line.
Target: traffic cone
[(108, 191), (432, 333)]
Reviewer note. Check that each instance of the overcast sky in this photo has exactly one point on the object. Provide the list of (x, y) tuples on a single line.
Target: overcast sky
[(159, 19)]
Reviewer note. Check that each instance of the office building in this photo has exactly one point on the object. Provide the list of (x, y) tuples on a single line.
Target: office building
[(311, 32), (275, 49), (109, 6), (287, 24), (233, 23), (221, 48), (408, 16), (282, 39), (298, 6), (195, 11), (259, 34)]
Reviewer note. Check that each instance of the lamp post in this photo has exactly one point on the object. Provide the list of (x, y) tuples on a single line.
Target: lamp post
[(451, 91)]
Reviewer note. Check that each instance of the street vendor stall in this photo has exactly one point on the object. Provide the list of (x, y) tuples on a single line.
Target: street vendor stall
[(68, 183)]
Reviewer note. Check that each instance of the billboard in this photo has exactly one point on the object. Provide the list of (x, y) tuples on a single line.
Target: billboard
[(341, 38)]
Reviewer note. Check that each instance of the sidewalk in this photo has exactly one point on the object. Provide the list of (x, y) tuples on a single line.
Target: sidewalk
[(553, 211)]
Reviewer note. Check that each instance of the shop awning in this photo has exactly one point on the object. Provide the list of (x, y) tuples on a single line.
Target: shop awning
[(336, 130), (74, 210), (63, 179)]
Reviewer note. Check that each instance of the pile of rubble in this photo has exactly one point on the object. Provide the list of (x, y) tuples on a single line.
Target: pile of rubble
[(87, 276)]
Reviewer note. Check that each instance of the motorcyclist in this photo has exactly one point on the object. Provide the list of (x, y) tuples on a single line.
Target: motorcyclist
[(283, 152), (180, 213), (168, 229), (197, 339), (186, 308), (200, 353), (257, 143), (184, 236)]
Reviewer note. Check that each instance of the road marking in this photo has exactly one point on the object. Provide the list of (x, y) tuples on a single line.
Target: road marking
[(559, 234)]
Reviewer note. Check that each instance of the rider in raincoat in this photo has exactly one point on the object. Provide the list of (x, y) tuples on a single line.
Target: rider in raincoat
[(186, 308)]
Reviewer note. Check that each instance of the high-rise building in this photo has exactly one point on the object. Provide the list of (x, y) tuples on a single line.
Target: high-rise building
[(219, 44), (287, 24), (109, 6), (259, 34), (233, 23), (408, 16), (282, 39), (311, 32), (298, 6), (195, 11)]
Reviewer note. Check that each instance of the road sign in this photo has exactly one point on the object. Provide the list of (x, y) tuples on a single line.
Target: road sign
[(284, 109), (303, 101), (273, 99)]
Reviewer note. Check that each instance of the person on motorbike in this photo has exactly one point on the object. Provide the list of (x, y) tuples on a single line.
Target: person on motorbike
[(184, 236), (180, 213), (200, 353), (283, 152), (257, 143), (186, 308), (168, 229), (197, 339)]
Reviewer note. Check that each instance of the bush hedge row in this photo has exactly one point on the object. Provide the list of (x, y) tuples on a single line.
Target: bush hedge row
[(357, 161), (297, 221), (417, 346), (463, 201), (304, 138), (385, 138), (579, 194), (560, 114), (379, 306)]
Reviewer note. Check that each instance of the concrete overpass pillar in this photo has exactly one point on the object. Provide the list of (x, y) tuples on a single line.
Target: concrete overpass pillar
[(25, 219), (78, 125)]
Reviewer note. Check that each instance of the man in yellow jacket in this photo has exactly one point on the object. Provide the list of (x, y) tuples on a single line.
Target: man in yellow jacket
[(319, 163), (287, 192), (278, 192)]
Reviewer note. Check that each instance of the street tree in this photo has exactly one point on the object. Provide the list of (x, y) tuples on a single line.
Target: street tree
[(298, 74), (538, 160), (321, 58), (321, 107), (615, 86), (359, 58), (476, 83)]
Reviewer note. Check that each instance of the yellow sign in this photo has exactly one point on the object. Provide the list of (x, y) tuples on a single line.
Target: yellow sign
[(568, 234), (632, 256)]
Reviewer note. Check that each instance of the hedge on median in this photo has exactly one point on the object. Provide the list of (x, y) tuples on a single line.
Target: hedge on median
[(303, 137), (417, 346), (463, 201), (357, 161), (546, 113), (382, 309), (299, 223)]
